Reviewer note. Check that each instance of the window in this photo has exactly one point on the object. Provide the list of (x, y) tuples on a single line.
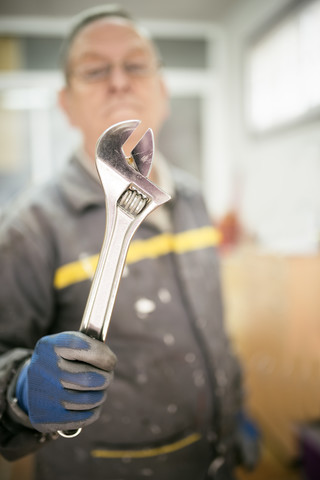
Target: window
[(283, 71)]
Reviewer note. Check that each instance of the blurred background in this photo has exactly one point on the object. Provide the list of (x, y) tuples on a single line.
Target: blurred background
[(244, 79)]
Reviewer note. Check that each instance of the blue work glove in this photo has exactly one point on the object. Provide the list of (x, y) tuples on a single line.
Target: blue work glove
[(65, 382)]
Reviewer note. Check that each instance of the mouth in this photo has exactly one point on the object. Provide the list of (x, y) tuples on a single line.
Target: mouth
[(123, 103)]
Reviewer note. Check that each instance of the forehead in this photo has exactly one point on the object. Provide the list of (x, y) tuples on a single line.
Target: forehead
[(109, 37)]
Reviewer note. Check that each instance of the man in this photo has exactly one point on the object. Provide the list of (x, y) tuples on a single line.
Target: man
[(173, 407)]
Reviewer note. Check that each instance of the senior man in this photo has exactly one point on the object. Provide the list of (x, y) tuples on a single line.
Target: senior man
[(173, 408)]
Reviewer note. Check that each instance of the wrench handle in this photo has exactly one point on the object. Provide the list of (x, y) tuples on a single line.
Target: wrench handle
[(101, 299)]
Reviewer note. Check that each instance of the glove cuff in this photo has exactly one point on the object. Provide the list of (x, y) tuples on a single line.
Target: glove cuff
[(22, 386), (16, 396)]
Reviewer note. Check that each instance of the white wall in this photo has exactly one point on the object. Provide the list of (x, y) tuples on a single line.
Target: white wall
[(273, 180)]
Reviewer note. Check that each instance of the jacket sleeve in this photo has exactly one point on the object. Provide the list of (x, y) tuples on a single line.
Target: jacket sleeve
[(26, 307), (26, 294)]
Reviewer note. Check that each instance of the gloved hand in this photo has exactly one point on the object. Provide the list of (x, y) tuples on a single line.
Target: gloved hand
[(65, 382), (248, 441)]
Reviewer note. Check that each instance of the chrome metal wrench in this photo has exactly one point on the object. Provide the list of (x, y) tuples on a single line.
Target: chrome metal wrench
[(129, 197)]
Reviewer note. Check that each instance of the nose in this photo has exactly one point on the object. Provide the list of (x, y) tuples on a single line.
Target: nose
[(118, 80)]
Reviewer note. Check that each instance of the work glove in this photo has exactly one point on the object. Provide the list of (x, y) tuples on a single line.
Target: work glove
[(248, 439), (64, 384)]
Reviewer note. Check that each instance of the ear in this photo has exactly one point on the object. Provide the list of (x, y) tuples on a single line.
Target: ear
[(65, 103), (165, 96)]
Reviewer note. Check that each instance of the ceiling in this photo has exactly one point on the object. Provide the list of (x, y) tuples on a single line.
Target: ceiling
[(187, 10)]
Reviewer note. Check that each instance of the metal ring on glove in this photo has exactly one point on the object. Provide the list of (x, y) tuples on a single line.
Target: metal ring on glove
[(69, 433)]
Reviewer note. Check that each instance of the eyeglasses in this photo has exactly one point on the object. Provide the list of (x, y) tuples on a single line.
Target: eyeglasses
[(98, 73)]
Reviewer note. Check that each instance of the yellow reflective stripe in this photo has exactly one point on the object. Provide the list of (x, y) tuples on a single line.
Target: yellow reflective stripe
[(75, 272), (148, 452), (167, 243), (139, 250)]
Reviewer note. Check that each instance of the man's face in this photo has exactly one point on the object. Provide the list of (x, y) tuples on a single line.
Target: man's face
[(113, 76)]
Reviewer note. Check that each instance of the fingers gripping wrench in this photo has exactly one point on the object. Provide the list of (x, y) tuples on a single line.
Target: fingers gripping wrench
[(129, 197)]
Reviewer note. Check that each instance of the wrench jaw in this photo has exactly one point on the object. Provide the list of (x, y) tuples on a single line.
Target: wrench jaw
[(109, 144), (143, 153), (131, 175)]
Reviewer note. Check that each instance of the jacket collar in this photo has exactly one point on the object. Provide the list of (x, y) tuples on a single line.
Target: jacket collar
[(80, 187)]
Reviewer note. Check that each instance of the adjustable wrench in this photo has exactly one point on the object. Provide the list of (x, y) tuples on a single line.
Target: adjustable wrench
[(129, 197)]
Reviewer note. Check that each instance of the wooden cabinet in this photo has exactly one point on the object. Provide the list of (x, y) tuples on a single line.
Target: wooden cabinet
[(273, 315)]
